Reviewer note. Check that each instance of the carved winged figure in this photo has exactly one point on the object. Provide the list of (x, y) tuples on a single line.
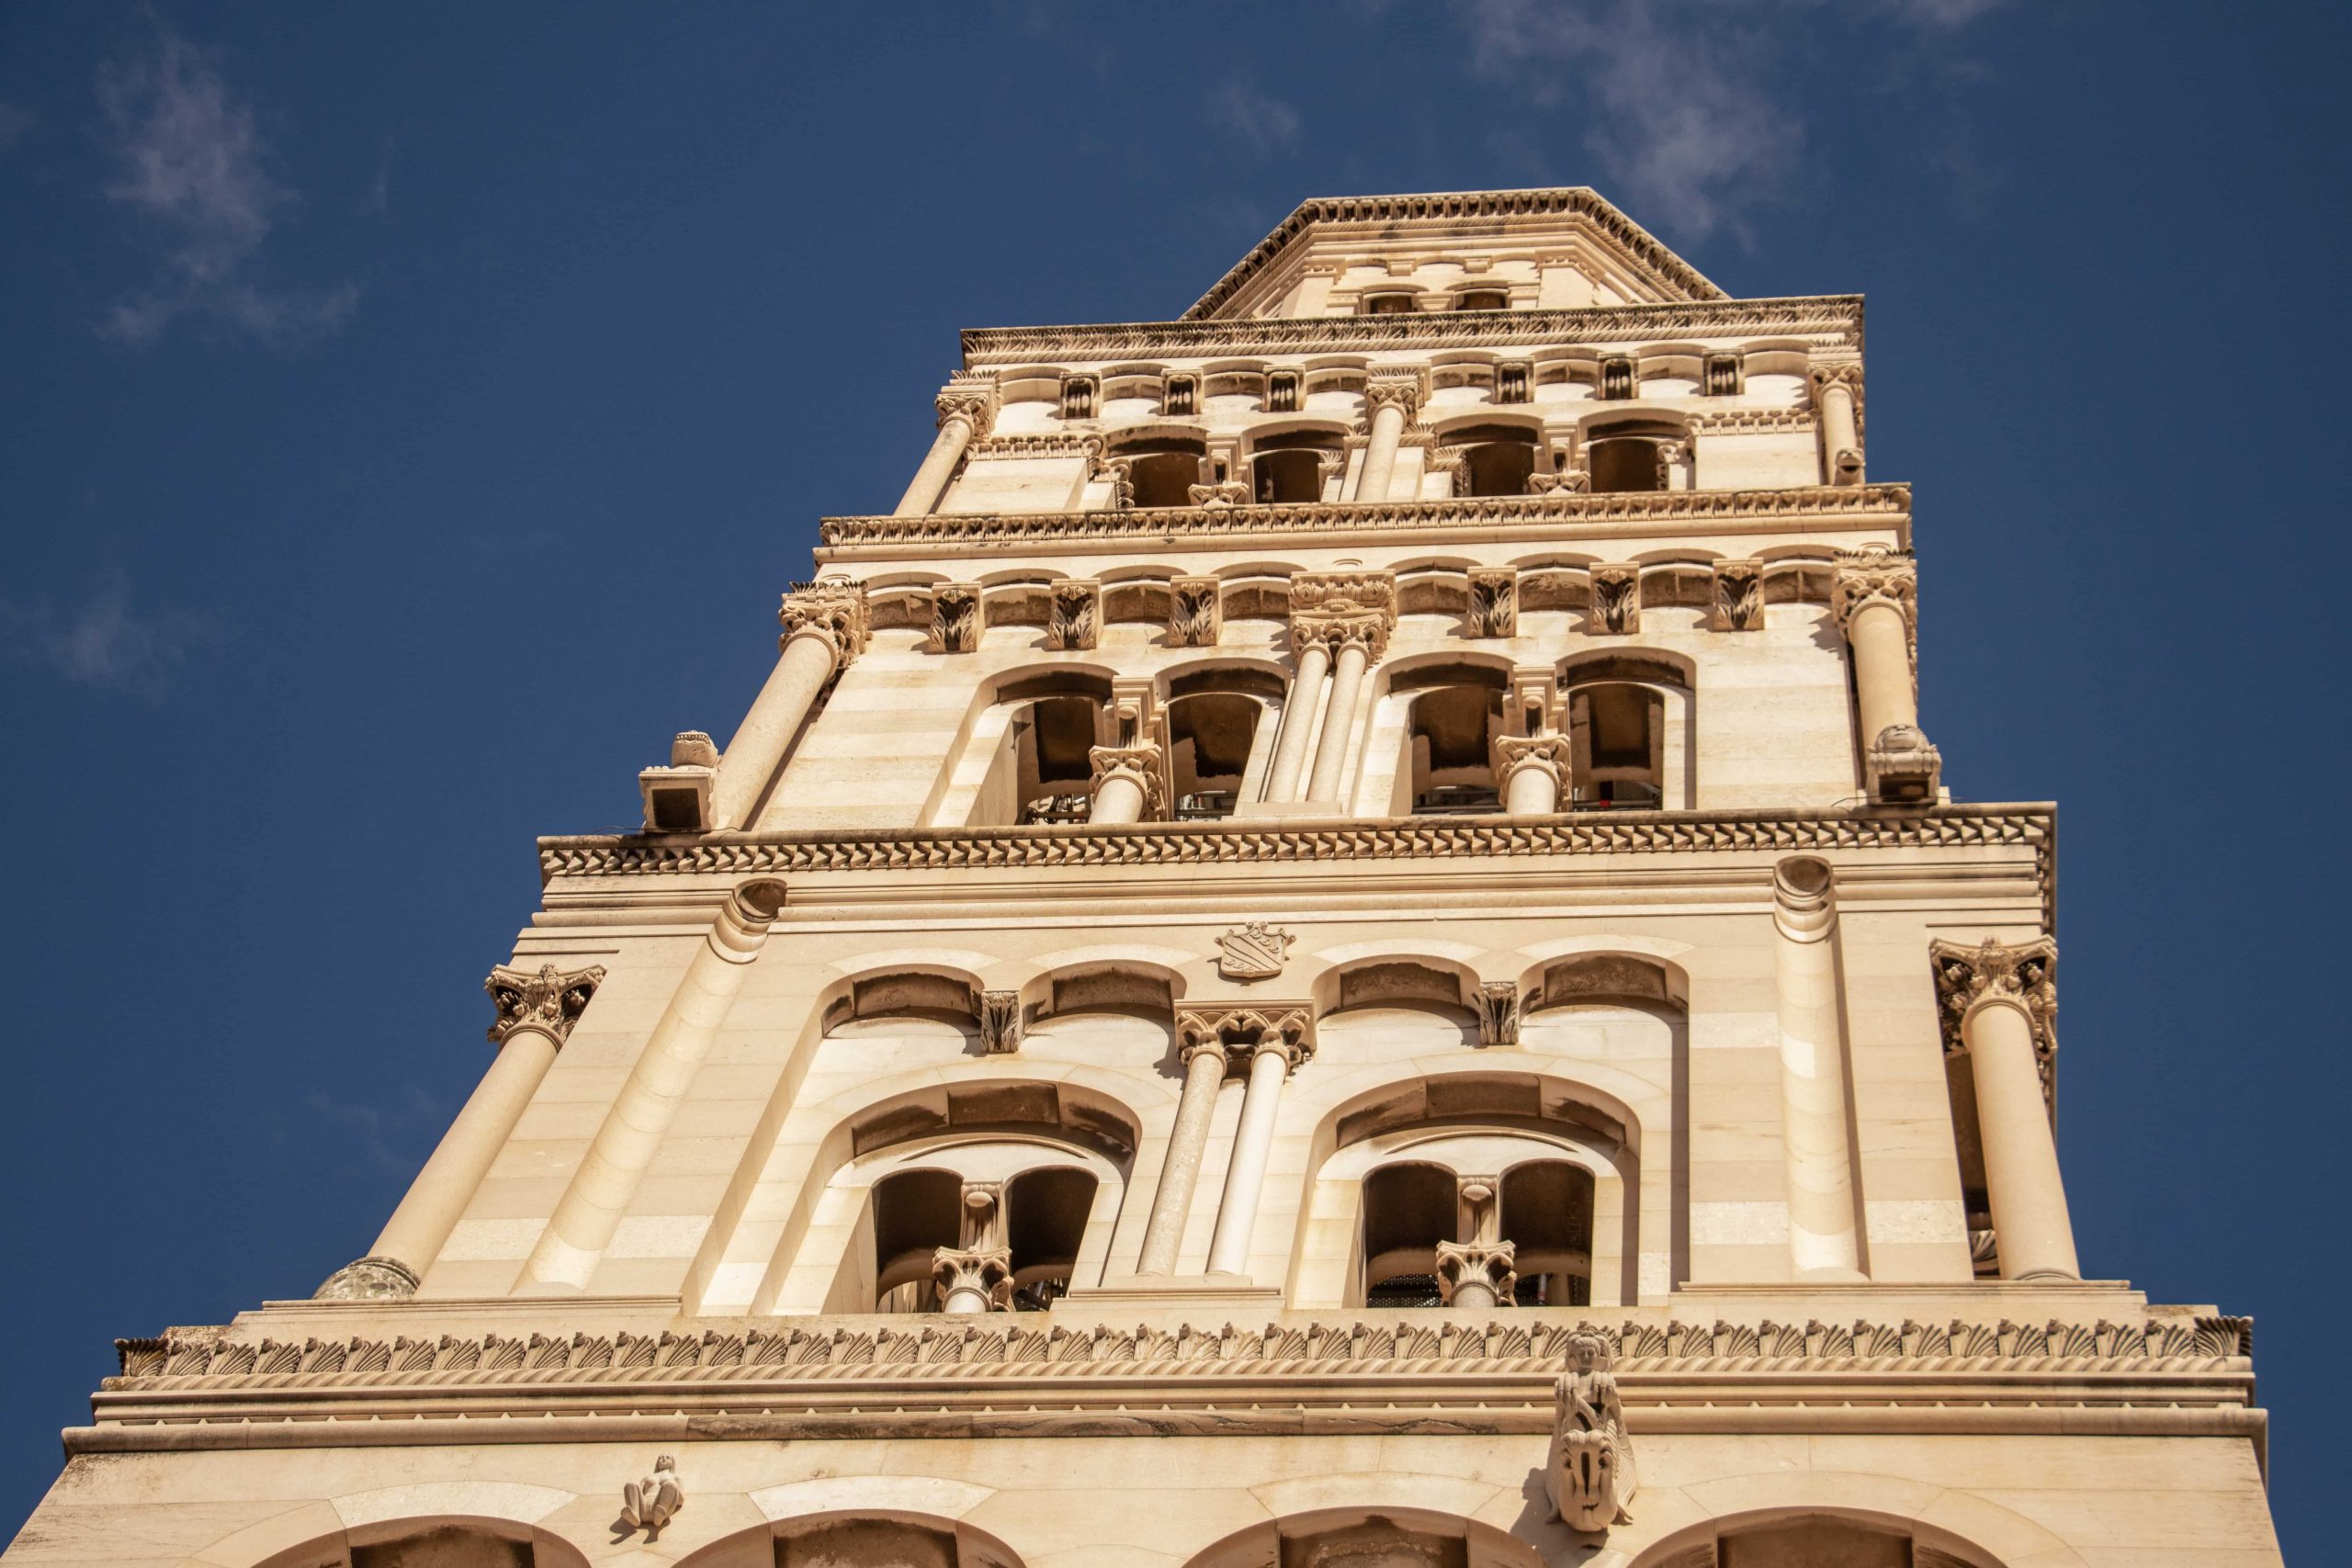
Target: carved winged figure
[(1591, 1471)]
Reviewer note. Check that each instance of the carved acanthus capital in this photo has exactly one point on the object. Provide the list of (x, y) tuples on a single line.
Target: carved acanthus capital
[(1494, 602), (1491, 1264), (998, 1016), (549, 1000), (1875, 574), (1145, 764), (1568, 482), (973, 400), (832, 608), (1846, 379), (1738, 597), (1244, 1031), (984, 1272), (1498, 1012), (1335, 608), (1402, 389), (2024, 976), (1454, 462), (1616, 600), (1119, 473), (956, 617), (1075, 620), (1195, 612), (1548, 754)]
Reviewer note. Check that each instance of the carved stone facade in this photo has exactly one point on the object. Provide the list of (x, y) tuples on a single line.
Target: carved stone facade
[(1446, 1017)]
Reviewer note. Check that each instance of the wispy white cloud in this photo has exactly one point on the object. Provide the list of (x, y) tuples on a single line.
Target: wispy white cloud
[(191, 163), (1246, 111), (103, 642), (1687, 113)]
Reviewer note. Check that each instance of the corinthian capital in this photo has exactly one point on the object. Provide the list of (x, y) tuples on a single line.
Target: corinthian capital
[(1548, 752), (549, 1000), (834, 609), (1489, 1263), (1143, 763), (973, 400), (983, 1272), (1846, 378), (1286, 1026), (1335, 608), (2024, 976), (1875, 575), (1395, 389)]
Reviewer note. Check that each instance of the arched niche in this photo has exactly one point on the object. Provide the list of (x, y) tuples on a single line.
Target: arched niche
[(1024, 740), (445, 1542), (980, 1129), (1427, 749), (1490, 1125), (1633, 730), (859, 1539), (1809, 1536), (1372, 1536)]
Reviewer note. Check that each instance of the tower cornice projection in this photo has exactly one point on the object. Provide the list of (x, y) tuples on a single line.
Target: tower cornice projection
[(1364, 864)]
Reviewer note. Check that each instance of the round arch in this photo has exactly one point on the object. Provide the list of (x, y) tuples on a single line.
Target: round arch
[(1384, 1514), (1943, 1543), (912, 1533)]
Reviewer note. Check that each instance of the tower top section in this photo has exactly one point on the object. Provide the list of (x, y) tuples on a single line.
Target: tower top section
[(1459, 242)]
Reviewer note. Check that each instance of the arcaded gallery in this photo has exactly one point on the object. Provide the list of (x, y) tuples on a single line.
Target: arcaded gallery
[(1340, 942)]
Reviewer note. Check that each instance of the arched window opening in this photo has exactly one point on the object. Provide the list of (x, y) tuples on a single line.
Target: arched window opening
[(1053, 740), (1389, 304), (1292, 476), (1616, 748), (1452, 733), (1483, 299), (837, 1542), (1210, 737), (1819, 1542), (1162, 470), (1408, 1208), (1045, 1213), (1547, 1218), (1495, 460), (916, 1212), (1624, 464)]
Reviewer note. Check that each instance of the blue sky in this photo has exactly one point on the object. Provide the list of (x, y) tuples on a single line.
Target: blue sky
[(409, 416)]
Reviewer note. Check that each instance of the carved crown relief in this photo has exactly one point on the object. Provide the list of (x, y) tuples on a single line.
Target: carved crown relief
[(1255, 952)]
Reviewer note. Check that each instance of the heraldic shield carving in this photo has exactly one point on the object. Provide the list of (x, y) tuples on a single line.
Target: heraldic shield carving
[(1253, 953)]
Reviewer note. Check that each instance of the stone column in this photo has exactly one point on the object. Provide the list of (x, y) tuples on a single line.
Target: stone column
[(1339, 719), (1298, 716), (1393, 400), (1999, 1004), (1273, 1054), (967, 410), (825, 627), (1834, 388), (535, 1012), (1534, 773), (1126, 785), (1819, 1161), (1480, 1271), (632, 1132), (1876, 601), (1172, 1204)]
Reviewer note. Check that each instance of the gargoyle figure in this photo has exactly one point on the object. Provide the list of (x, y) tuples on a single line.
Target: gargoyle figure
[(651, 1503), (1591, 1471)]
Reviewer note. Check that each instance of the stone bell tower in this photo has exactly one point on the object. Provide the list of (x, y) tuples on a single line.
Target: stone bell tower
[(1337, 945)]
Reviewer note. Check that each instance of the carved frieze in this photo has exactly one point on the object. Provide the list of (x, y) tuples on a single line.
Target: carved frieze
[(547, 999)]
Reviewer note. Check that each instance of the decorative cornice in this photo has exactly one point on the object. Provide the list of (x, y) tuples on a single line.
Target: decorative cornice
[(1838, 317), (1751, 421), (1337, 841), (1577, 201), (998, 447), (548, 1000), (1562, 509)]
